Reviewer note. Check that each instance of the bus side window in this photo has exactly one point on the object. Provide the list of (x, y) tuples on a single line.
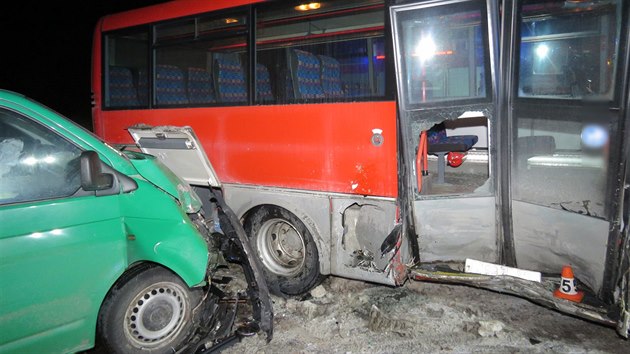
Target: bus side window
[(201, 61), (125, 80), (323, 55)]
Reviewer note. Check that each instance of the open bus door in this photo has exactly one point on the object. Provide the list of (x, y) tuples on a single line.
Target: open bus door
[(545, 186)]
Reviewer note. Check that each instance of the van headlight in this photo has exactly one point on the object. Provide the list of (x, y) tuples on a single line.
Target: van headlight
[(188, 198)]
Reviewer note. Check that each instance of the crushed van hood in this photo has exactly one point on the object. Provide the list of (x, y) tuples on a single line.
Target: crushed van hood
[(157, 173)]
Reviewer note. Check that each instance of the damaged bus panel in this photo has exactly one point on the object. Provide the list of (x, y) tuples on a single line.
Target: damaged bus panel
[(545, 190)]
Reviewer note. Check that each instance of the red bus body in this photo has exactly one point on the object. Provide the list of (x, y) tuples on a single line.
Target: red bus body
[(312, 147), (318, 147)]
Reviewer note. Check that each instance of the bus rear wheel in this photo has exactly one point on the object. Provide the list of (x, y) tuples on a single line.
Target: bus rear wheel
[(286, 249)]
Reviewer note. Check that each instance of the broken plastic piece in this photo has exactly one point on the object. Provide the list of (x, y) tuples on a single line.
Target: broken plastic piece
[(479, 267)]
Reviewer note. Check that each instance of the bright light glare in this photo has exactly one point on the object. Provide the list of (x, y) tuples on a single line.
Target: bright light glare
[(37, 235), (49, 159), (542, 50), (594, 136), (306, 7), (31, 161), (426, 48)]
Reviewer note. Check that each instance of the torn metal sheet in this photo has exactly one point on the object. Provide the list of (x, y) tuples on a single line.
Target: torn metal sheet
[(361, 225), (540, 293)]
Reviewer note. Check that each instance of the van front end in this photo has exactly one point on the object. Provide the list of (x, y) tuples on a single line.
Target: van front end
[(206, 248)]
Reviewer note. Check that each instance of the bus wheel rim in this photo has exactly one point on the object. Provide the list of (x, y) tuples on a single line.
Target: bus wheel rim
[(281, 247)]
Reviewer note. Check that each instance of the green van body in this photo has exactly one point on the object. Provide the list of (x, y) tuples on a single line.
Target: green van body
[(59, 257)]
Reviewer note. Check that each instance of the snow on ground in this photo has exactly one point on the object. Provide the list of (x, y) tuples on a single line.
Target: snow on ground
[(345, 316)]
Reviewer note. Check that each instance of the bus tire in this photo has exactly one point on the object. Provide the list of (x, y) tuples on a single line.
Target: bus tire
[(286, 250), (150, 311)]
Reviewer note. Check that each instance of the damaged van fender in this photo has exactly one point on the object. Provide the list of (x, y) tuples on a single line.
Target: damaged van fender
[(179, 150)]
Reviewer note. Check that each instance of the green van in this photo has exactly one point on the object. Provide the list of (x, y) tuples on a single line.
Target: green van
[(99, 243)]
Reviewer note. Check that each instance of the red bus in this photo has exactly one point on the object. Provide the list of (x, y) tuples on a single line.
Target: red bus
[(360, 138)]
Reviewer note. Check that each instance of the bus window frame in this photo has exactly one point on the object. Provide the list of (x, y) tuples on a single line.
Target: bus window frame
[(613, 101), (105, 37), (488, 99), (251, 13), (363, 33)]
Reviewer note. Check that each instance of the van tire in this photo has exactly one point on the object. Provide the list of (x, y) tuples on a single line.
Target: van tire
[(286, 250), (164, 304)]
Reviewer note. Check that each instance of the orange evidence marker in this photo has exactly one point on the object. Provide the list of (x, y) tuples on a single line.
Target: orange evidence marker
[(567, 289)]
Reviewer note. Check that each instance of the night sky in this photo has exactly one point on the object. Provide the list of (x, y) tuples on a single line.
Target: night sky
[(46, 51)]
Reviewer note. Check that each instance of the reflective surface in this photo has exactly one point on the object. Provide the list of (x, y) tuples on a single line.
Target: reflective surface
[(568, 48)]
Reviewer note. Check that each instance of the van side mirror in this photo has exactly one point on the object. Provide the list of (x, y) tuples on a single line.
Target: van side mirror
[(92, 176)]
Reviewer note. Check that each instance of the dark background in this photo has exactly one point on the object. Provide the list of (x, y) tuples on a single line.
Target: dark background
[(45, 50)]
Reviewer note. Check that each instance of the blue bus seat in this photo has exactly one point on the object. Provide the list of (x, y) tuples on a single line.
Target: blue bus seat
[(230, 80), (263, 84), (331, 77), (305, 75), (122, 92), (169, 85), (200, 86)]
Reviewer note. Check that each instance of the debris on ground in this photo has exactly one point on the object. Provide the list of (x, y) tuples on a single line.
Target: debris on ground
[(347, 316)]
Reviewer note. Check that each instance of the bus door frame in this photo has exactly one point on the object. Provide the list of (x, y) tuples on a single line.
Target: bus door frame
[(438, 221)]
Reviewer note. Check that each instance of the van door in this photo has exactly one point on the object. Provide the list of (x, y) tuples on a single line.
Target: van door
[(48, 228), (445, 65)]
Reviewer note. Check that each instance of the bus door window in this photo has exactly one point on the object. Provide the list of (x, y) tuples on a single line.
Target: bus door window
[(567, 56), (458, 160), (443, 60), (332, 53)]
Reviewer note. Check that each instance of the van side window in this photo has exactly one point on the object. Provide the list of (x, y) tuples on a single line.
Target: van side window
[(35, 163)]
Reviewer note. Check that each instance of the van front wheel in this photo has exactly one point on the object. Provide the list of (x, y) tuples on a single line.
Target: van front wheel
[(150, 312), (286, 249)]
